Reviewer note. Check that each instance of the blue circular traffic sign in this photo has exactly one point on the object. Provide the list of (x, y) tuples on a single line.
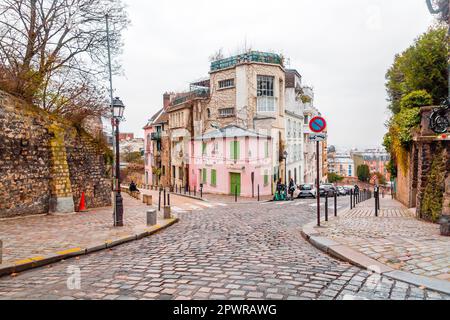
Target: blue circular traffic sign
[(317, 124)]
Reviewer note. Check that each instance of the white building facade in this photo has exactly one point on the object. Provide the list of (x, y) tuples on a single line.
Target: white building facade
[(294, 127)]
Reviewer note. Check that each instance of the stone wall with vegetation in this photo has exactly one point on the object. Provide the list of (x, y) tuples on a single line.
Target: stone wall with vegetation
[(44, 159)]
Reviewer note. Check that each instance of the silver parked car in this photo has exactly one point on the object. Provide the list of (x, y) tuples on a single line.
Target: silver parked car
[(307, 191)]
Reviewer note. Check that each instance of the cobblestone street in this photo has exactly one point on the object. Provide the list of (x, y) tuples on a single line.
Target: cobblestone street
[(243, 251), (395, 238)]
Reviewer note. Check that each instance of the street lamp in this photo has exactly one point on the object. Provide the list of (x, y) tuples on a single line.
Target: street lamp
[(117, 115)]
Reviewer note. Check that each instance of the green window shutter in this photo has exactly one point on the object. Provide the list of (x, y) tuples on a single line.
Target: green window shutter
[(204, 148), (232, 150), (213, 177), (237, 150), (266, 178), (266, 149), (204, 176)]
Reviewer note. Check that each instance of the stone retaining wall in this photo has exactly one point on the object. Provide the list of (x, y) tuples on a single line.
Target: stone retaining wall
[(45, 163)]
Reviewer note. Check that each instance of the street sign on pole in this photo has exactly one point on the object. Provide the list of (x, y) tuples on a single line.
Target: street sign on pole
[(317, 124)]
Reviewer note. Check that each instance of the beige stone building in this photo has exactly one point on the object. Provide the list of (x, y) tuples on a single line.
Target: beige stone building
[(248, 90)]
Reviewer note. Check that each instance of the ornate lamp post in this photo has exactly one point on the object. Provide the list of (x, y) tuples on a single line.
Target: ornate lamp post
[(117, 115), (117, 109)]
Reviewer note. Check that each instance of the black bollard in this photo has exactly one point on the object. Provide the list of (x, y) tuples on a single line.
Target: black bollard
[(201, 192), (351, 199), (195, 191), (159, 201), (164, 197), (335, 204), (376, 203), (168, 199), (326, 206), (235, 194), (189, 190)]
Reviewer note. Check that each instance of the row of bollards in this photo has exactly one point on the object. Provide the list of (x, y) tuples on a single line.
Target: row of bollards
[(327, 207), (187, 190)]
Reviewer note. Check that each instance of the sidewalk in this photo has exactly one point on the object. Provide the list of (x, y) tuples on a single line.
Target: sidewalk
[(395, 241), (36, 239)]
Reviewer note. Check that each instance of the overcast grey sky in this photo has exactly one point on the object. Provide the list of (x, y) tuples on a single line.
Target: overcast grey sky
[(341, 48)]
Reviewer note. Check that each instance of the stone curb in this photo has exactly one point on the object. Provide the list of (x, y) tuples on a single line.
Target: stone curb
[(40, 261), (310, 232)]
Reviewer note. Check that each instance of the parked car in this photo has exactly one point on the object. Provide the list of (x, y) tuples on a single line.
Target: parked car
[(307, 191), (342, 191), (348, 189), (327, 189)]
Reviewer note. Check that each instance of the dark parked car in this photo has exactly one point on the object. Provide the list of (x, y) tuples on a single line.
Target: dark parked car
[(327, 188), (307, 191)]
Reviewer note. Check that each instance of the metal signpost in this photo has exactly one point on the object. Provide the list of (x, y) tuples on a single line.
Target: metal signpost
[(318, 125)]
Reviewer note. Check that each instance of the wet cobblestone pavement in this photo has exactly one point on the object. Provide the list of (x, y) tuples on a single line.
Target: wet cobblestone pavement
[(246, 251)]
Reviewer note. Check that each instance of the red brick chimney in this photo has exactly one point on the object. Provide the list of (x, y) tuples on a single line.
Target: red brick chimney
[(166, 100)]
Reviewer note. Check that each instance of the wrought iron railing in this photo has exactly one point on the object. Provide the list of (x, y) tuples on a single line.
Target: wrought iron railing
[(199, 93), (252, 56)]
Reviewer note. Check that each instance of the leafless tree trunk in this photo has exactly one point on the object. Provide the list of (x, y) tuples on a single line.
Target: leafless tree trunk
[(53, 52)]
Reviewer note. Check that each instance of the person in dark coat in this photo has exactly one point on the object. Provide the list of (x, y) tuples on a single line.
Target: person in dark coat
[(133, 187), (292, 188)]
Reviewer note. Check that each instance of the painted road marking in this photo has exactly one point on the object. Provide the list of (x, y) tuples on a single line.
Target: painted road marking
[(205, 204), (298, 203), (221, 204)]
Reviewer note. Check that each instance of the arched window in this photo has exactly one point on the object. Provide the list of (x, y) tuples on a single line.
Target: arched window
[(208, 111)]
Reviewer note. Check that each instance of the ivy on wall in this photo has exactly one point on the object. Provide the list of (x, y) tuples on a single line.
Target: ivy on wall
[(431, 207)]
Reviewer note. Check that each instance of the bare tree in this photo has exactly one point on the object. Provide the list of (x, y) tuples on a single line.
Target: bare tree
[(53, 52)]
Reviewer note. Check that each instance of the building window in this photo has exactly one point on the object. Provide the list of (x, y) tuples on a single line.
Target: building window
[(234, 150), (306, 119), (266, 149), (226, 112), (266, 178), (213, 177), (209, 113), (204, 176), (180, 173), (204, 148), (164, 170), (226, 84), (265, 93), (289, 128), (215, 148), (265, 86)]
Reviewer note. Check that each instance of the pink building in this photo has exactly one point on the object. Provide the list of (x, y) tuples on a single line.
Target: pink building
[(230, 159)]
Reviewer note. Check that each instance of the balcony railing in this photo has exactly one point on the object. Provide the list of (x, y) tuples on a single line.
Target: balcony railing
[(199, 93), (252, 56)]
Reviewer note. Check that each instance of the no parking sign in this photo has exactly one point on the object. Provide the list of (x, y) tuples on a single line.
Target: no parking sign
[(318, 124)]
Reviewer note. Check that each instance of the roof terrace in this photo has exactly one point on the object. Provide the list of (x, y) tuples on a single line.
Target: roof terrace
[(252, 56)]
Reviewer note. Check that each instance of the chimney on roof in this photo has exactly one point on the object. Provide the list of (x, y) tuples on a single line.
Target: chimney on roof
[(166, 100)]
